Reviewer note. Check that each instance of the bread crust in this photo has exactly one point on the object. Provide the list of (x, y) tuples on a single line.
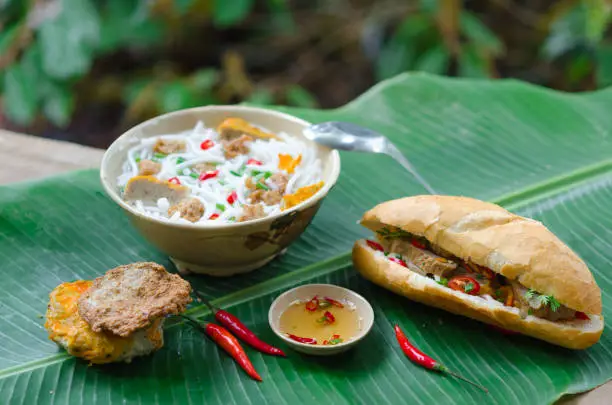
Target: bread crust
[(518, 248), (577, 334)]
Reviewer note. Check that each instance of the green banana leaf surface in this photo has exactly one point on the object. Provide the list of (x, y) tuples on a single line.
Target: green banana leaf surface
[(539, 153)]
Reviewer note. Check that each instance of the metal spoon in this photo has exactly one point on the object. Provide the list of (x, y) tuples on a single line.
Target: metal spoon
[(355, 138)]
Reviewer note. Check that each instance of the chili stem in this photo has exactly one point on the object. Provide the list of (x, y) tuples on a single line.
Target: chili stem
[(210, 306), (459, 376)]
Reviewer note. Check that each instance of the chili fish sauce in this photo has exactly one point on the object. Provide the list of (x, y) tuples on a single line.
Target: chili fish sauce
[(328, 321)]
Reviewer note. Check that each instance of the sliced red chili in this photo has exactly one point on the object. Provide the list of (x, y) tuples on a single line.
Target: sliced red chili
[(209, 175), (582, 315), (231, 199), (334, 302), (375, 245), (398, 261), (254, 162), (174, 180), (418, 244), (207, 144), (464, 284), (329, 317), (313, 304), (308, 341), (214, 216), (335, 336)]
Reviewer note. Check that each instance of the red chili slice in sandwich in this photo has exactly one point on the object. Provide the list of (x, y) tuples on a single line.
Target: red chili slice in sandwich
[(416, 243), (398, 261), (375, 245), (582, 315), (464, 284)]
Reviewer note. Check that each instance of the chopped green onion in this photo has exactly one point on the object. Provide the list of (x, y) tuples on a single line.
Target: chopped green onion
[(335, 341), (231, 219), (443, 281), (221, 207), (160, 155), (469, 287), (256, 172), (193, 175), (223, 182), (137, 159), (179, 160), (240, 171), (262, 186), (267, 175), (324, 304)]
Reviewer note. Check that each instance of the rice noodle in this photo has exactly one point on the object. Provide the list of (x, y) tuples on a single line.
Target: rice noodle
[(214, 192)]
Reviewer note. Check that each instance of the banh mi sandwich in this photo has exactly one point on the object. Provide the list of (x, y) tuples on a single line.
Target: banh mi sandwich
[(119, 315), (476, 259)]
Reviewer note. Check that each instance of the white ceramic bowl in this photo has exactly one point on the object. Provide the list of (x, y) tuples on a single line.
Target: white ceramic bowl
[(306, 292), (219, 249)]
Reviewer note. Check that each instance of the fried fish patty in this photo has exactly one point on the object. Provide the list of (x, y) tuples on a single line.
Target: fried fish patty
[(131, 297), (70, 331)]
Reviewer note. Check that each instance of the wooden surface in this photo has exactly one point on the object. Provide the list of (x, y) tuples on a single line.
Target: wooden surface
[(24, 157)]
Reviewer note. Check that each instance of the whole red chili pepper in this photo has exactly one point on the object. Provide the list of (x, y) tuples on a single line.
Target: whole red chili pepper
[(420, 358), (308, 341), (239, 329), (229, 343)]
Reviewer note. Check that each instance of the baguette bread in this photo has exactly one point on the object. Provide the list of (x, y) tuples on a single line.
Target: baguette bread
[(518, 248)]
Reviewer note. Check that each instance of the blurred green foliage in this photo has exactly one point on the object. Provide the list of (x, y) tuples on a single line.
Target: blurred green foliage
[(154, 56)]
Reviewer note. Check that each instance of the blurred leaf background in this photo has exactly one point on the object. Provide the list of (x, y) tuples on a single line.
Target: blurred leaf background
[(84, 70)]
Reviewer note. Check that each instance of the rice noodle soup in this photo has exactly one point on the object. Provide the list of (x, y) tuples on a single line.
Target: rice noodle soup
[(234, 173)]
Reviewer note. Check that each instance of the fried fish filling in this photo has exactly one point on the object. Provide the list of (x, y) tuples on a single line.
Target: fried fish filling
[(425, 258)]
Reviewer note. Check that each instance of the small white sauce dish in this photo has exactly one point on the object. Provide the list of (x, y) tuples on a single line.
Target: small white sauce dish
[(306, 292)]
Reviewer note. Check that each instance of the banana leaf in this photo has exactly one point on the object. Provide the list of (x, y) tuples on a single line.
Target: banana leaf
[(537, 152)]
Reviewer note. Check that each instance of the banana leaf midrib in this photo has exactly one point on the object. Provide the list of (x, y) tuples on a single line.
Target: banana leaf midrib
[(512, 201)]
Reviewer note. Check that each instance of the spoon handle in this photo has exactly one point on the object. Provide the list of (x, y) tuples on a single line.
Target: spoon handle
[(395, 153)]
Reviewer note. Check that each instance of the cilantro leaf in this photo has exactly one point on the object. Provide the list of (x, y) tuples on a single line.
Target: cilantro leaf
[(553, 303), (531, 294), (468, 287)]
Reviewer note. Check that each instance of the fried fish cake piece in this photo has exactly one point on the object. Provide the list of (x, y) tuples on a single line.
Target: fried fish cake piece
[(132, 297), (66, 328)]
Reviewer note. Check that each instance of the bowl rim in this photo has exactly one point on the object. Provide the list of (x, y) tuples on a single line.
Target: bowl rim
[(319, 195), (364, 332)]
